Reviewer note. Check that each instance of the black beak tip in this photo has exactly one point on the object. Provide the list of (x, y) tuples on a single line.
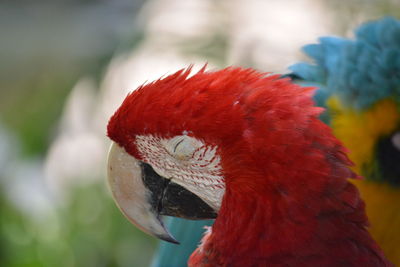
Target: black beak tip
[(169, 238)]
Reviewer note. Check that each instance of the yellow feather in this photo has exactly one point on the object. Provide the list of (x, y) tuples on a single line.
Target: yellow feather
[(359, 131), (382, 205)]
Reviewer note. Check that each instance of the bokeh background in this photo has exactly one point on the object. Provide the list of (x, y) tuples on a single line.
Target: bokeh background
[(66, 65)]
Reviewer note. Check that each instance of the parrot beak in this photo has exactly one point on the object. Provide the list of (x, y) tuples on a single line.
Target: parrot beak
[(143, 196)]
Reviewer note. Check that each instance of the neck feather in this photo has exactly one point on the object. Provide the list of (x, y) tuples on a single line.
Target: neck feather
[(279, 228)]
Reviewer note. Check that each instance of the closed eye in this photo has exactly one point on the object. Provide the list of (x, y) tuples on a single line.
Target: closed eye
[(180, 142), (182, 147)]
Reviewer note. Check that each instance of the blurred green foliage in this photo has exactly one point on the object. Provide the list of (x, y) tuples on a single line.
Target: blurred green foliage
[(31, 101), (88, 231), (32, 113), (46, 48)]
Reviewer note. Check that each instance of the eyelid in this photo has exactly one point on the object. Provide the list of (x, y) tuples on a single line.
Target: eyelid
[(182, 147), (177, 144)]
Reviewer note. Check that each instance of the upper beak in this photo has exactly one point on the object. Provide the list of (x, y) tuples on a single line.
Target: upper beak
[(143, 196)]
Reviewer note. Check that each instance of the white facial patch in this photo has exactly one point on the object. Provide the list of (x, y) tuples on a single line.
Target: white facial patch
[(188, 162)]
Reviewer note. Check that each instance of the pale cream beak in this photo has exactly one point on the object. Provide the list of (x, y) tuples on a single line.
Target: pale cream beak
[(125, 177)]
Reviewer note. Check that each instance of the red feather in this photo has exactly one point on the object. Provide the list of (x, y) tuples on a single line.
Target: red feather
[(288, 201)]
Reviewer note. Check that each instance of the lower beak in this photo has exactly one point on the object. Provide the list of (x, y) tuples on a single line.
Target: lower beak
[(143, 196)]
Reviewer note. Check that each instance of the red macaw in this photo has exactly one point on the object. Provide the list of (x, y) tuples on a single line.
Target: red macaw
[(245, 148)]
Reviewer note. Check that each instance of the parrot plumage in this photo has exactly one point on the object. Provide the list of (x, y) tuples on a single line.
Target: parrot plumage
[(245, 148), (358, 81), (353, 76)]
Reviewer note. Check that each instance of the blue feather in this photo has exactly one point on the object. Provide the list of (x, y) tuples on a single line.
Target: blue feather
[(361, 71)]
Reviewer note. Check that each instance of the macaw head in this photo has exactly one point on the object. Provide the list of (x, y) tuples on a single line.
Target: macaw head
[(359, 84), (185, 145)]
